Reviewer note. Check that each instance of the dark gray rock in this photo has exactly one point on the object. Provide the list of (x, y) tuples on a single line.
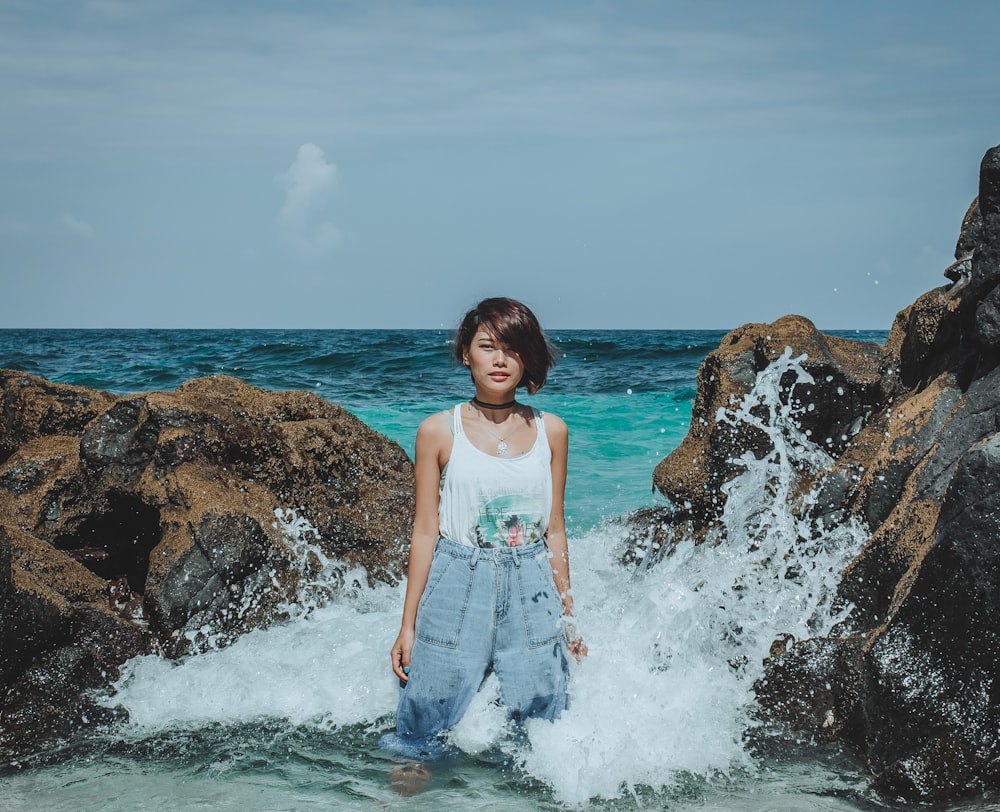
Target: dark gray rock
[(986, 256), (988, 321), (971, 233), (930, 703), (186, 588), (51, 701)]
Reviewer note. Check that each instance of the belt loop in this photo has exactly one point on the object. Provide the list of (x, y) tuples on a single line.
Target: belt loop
[(516, 556), (474, 559)]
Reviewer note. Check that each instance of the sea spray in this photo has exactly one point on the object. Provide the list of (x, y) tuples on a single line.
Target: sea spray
[(321, 578), (297, 577), (790, 555), (665, 694)]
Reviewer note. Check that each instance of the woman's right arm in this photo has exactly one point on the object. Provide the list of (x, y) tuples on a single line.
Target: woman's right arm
[(430, 455)]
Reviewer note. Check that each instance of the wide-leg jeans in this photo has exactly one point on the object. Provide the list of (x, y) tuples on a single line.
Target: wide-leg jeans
[(482, 610)]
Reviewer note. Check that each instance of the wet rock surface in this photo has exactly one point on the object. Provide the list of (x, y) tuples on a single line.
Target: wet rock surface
[(158, 522), (852, 381), (910, 678)]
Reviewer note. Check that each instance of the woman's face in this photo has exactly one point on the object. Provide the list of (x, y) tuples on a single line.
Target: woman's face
[(496, 370)]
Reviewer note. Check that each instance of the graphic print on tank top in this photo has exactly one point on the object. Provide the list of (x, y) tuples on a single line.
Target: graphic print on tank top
[(510, 520), (491, 501)]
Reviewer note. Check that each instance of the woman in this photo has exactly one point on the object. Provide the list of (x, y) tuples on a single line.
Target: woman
[(488, 585)]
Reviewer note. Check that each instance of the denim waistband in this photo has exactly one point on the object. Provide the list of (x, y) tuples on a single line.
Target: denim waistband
[(474, 554)]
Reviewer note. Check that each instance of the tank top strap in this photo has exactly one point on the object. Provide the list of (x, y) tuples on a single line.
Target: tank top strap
[(456, 421), (539, 421)]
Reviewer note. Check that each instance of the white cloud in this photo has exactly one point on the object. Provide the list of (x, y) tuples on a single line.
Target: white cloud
[(78, 226), (308, 183), (308, 180)]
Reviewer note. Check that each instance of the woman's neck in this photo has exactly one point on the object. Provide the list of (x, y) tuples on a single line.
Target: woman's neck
[(494, 412), (493, 406)]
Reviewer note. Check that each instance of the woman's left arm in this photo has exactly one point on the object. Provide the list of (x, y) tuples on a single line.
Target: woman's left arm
[(558, 437)]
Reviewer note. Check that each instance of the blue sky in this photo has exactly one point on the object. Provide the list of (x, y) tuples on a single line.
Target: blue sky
[(176, 163)]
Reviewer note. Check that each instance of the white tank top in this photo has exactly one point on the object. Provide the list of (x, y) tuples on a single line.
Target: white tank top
[(490, 501)]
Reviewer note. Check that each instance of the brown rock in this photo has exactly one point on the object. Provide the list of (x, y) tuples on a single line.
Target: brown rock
[(851, 382), (138, 523), (32, 407)]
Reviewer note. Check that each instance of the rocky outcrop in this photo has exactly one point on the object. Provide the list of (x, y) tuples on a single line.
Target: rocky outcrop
[(159, 522), (912, 431), (851, 382)]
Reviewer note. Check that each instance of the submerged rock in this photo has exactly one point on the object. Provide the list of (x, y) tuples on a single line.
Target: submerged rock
[(151, 523), (910, 676)]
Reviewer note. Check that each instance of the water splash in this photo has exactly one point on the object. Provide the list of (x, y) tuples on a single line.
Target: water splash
[(294, 582), (320, 578), (792, 560)]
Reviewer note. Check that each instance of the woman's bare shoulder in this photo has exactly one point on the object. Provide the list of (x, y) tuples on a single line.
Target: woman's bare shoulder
[(555, 425), (436, 428)]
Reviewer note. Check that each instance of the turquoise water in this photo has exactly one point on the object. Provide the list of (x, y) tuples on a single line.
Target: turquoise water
[(287, 718)]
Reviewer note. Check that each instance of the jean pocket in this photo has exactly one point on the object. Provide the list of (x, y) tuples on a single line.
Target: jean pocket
[(443, 605), (540, 602)]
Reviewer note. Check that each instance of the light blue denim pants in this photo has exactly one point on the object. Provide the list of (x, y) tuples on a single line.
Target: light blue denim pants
[(482, 610)]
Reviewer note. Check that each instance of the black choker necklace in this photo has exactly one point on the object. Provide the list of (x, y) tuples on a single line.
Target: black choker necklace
[(483, 405)]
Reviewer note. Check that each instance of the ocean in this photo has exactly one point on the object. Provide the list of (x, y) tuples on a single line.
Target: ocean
[(287, 718)]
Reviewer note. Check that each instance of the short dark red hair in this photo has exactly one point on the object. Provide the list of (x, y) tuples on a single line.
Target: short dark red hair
[(513, 325)]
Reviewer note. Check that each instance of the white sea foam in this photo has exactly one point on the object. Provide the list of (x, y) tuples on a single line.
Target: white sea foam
[(328, 664), (665, 692)]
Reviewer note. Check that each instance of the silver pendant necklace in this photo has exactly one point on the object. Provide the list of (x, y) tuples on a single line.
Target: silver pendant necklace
[(501, 441)]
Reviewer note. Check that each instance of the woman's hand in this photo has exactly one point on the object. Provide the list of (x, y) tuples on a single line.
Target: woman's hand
[(401, 654), (574, 642)]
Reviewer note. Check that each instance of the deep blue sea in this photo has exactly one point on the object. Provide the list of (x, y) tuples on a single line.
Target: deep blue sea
[(661, 713)]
